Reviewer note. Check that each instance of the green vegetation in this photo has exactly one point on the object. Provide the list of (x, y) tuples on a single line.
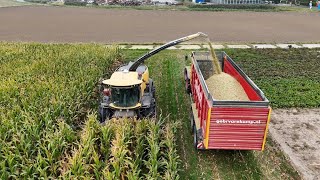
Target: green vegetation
[(48, 90), (8, 3), (289, 78), (124, 149), (38, 1), (244, 7), (45, 91), (198, 7), (255, 8), (222, 7), (75, 3)]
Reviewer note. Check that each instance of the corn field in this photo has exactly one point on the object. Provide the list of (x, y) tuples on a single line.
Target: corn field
[(124, 149), (46, 92)]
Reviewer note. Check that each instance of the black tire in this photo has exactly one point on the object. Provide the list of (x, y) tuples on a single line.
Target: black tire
[(185, 74), (192, 123), (153, 91), (150, 112), (103, 113), (187, 86), (153, 112), (187, 81), (195, 137)]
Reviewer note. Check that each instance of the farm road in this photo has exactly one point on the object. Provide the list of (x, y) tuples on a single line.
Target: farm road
[(71, 24)]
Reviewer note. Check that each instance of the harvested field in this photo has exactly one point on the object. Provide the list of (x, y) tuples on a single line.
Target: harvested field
[(72, 24)]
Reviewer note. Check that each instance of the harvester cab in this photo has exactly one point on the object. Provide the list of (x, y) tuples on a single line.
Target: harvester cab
[(130, 93)]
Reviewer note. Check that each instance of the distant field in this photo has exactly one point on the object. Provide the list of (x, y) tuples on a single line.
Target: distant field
[(215, 8)]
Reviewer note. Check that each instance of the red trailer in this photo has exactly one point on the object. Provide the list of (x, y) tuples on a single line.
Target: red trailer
[(220, 124)]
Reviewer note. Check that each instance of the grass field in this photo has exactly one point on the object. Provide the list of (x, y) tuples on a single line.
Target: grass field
[(8, 3), (263, 8), (47, 91)]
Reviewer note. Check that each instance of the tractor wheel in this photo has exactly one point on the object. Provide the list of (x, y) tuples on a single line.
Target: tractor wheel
[(153, 113), (153, 91), (103, 113)]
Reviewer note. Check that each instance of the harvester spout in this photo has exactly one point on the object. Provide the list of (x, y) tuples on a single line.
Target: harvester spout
[(141, 59)]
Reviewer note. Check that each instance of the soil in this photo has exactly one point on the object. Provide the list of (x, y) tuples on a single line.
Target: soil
[(74, 24), (298, 133)]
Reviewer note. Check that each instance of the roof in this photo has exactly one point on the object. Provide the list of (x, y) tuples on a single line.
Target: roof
[(120, 78)]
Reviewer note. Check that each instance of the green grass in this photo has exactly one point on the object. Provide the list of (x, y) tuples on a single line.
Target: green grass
[(254, 8), (289, 78), (9, 3), (166, 69), (186, 7)]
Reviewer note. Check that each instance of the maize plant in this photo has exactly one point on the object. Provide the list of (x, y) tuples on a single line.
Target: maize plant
[(44, 91), (171, 154), (124, 149)]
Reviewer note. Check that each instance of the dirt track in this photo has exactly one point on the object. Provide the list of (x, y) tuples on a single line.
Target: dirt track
[(298, 132), (69, 24)]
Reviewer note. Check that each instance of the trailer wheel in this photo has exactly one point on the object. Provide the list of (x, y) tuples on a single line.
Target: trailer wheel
[(187, 81), (188, 87), (192, 123), (195, 137)]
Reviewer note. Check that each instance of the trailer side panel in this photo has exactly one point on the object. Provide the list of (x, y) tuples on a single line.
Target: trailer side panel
[(238, 128), (200, 99)]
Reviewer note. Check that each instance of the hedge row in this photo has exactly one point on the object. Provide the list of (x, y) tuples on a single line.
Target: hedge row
[(38, 1), (75, 3), (231, 6)]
